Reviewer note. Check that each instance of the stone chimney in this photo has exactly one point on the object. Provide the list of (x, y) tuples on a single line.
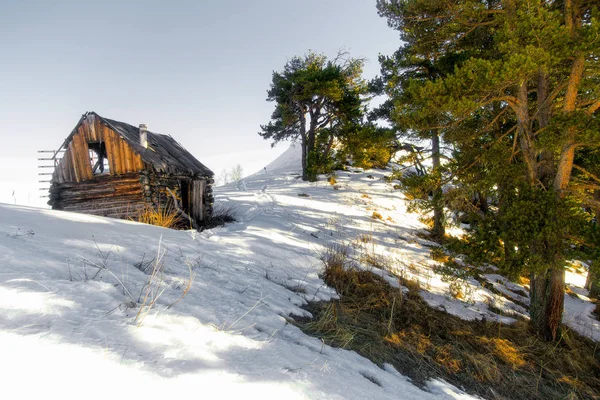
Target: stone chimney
[(144, 135)]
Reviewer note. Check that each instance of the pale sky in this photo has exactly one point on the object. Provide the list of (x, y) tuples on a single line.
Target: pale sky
[(197, 70)]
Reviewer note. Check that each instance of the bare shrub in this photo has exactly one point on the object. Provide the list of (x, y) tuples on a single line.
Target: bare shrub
[(153, 288), (221, 215)]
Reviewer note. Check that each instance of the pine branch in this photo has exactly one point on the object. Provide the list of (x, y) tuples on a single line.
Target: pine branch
[(585, 171)]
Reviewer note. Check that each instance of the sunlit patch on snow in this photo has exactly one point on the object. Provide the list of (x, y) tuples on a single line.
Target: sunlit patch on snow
[(33, 302)]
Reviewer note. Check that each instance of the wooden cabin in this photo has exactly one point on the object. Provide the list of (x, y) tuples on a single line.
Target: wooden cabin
[(114, 169)]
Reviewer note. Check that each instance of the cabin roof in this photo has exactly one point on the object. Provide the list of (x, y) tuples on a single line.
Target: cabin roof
[(164, 153)]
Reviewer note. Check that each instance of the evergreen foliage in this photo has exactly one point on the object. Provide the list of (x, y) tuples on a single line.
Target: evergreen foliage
[(315, 100), (513, 85), (368, 146)]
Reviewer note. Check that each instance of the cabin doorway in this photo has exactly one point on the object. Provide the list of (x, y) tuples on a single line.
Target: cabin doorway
[(185, 196), (192, 198)]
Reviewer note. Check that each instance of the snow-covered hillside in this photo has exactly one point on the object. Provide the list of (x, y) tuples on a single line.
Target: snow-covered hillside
[(71, 286)]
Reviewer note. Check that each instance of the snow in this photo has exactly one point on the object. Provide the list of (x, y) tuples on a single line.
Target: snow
[(69, 287), (578, 309)]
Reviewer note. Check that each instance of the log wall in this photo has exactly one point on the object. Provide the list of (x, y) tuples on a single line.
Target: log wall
[(125, 196), (105, 195), (200, 199), (75, 166)]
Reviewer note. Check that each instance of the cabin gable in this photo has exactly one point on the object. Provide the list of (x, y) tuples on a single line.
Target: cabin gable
[(92, 142), (114, 169)]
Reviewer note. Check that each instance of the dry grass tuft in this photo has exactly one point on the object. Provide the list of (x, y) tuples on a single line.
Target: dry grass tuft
[(376, 215), (438, 254), (485, 358), (524, 281), (365, 238), (505, 350), (167, 217)]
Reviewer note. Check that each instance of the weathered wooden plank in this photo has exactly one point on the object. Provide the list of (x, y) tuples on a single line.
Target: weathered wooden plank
[(196, 207), (201, 199), (101, 180), (124, 148), (85, 193), (92, 129), (91, 206), (83, 131), (117, 151), (79, 159), (110, 148), (136, 161), (84, 157), (73, 162), (99, 129), (96, 192), (59, 174), (75, 159), (67, 165), (89, 173), (126, 210), (107, 198), (129, 158)]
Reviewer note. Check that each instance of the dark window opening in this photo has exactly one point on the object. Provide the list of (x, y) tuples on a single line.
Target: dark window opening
[(98, 158)]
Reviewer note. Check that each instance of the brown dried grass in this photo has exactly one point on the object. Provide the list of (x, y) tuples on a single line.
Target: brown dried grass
[(167, 217), (485, 358)]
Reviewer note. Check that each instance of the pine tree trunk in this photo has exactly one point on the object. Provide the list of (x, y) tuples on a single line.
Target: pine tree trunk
[(573, 22), (303, 144), (310, 148), (328, 148), (438, 205), (546, 158), (547, 293)]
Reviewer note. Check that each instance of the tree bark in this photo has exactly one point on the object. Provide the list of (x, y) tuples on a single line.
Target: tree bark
[(573, 23), (526, 140), (329, 147), (310, 144), (546, 164), (547, 297), (547, 289), (567, 155), (304, 145), (438, 205)]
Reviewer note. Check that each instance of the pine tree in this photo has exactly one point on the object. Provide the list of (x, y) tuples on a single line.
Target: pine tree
[(403, 111), (527, 78), (315, 99)]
